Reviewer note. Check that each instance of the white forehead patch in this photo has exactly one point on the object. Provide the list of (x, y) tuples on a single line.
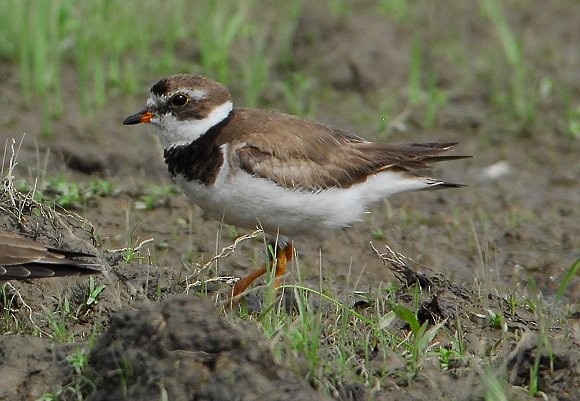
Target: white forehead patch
[(155, 101)]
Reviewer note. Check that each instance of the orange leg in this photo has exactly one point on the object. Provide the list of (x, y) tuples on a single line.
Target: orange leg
[(283, 256)]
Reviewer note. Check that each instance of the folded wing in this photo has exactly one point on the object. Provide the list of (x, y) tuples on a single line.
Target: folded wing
[(22, 258), (309, 156)]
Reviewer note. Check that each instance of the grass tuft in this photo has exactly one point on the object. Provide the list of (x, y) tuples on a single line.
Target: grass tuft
[(522, 93), (114, 46)]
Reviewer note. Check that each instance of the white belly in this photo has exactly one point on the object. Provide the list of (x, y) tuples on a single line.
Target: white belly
[(248, 201)]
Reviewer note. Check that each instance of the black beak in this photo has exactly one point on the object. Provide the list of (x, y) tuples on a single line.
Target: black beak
[(144, 116)]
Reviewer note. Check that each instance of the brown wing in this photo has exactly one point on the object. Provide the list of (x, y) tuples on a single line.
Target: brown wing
[(298, 153), (22, 258)]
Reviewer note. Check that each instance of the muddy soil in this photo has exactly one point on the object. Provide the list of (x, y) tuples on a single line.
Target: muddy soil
[(514, 228)]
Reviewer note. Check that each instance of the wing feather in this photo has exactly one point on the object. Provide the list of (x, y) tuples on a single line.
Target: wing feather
[(23, 258), (303, 154)]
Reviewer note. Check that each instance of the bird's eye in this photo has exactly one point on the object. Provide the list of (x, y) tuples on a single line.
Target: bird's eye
[(179, 100)]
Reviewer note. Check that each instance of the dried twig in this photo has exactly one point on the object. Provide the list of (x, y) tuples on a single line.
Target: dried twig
[(399, 265), (134, 249), (224, 253)]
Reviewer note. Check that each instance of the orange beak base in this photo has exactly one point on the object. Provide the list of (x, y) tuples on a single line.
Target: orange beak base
[(144, 116)]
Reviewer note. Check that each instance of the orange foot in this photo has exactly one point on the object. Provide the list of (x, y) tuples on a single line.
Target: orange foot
[(283, 256)]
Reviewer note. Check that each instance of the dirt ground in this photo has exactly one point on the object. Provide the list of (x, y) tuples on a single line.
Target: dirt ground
[(515, 227)]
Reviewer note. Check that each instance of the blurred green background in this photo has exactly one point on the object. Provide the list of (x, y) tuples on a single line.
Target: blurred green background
[(269, 53)]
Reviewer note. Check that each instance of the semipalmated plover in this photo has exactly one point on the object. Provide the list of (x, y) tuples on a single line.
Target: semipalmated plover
[(286, 174), (22, 259)]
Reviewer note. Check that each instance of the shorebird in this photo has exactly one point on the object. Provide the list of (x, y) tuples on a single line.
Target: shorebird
[(285, 174)]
